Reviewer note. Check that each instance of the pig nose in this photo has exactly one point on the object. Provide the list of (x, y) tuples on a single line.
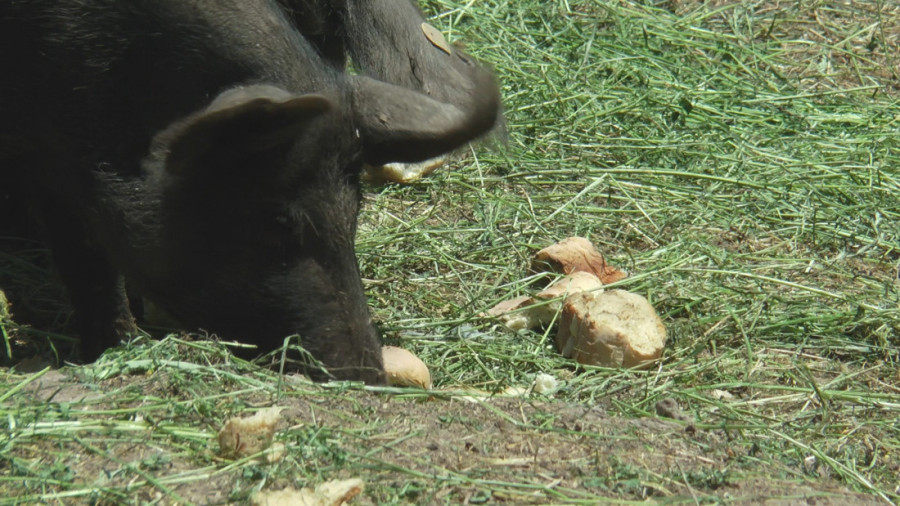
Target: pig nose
[(359, 359), (371, 365), (367, 367)]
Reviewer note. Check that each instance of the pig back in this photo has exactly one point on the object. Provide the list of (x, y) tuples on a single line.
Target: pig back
[(97, 79)]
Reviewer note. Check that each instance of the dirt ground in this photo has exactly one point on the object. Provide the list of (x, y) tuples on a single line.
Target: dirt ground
[(422, 450)]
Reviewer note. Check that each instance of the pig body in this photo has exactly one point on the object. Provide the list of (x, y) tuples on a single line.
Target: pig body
[(209, 152)]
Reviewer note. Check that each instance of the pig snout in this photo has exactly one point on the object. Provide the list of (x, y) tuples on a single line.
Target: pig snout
[(346, 341), (360, 361)]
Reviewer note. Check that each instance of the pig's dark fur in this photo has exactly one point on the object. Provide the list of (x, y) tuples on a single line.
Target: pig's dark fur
[(209, 151)]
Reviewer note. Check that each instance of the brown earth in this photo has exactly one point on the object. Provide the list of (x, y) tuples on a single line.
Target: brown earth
[(418, 450)]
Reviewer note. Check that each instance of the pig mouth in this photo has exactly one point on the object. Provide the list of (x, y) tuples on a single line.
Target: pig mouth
[(349, 356)]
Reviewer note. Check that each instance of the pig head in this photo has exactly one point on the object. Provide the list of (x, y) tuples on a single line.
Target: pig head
[(210, 154)]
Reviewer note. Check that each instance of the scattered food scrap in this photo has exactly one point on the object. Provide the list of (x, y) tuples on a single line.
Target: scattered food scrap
[(518, 313), (330, 493), (401, 172), (573, 255), (545, 384), (245, 436), (612, 328), (405, 369), (528, 312)]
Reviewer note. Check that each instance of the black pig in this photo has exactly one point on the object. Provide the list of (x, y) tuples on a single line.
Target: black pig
[(209, 152)]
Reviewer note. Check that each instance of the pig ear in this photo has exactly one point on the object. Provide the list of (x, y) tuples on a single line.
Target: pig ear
[(398, 124), (237, 124)]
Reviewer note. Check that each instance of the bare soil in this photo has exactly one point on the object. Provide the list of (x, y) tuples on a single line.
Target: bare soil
[(422, 450)]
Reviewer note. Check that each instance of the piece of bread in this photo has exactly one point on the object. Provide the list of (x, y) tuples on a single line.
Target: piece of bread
[(402, 172), (512, 314), (529, 312), (330, 493), (576, 254), (550, 299), (405, 369), (579, 281), (243, 436), (614, 328)]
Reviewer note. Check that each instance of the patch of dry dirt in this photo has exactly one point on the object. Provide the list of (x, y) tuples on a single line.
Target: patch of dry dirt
[(419, 451)]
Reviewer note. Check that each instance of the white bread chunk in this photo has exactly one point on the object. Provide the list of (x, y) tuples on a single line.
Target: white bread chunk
[(513, 315), (330, 493), (614, 328), (579, 281), (240, 437)]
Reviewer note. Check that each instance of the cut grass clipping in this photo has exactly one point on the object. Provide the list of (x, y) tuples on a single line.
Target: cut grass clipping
[(740, 160)]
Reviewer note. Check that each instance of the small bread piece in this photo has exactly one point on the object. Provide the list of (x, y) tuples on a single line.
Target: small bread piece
[(510, 305), (241, 437), (401, 172), (615, 328), (576, 254), (529, 312), (330, 493), (579, 281), (405, 369), (573, 283), (513, 315)]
